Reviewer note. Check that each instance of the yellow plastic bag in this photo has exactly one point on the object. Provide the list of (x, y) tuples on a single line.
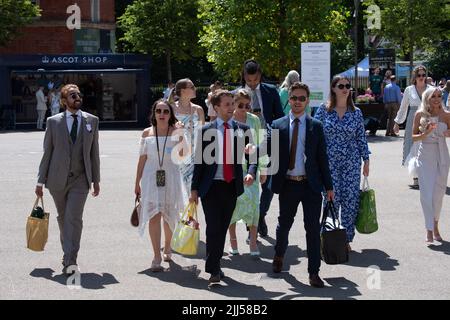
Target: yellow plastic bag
[(186, 235), (37, 227)]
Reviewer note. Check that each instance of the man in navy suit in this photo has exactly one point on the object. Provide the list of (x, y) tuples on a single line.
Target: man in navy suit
[(218, 177), (267, 106), (302, 176)]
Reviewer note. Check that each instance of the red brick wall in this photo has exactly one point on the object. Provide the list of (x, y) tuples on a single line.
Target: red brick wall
[(51, 39), (36, 40)]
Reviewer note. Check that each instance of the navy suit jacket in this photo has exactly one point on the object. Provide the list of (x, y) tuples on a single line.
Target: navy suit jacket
[(272, 109), (316, 163), (204, 173)]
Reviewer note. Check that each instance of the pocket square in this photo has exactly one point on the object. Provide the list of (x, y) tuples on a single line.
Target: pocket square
[(88, 127)]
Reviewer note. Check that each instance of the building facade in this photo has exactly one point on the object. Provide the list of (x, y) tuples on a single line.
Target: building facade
[(50, 53)]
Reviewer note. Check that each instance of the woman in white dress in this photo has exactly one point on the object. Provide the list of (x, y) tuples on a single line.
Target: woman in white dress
[(192, 117), (412, 99), (431, 126), (158, 180)]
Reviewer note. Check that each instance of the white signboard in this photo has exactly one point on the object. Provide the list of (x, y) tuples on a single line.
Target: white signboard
[(315, 69)]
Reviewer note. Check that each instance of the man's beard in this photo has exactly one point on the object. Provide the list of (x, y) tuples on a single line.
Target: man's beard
[(75, 105)]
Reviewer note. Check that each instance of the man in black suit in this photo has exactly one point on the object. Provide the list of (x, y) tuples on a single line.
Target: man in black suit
[(302, 175), (218, 177), (267, 106)]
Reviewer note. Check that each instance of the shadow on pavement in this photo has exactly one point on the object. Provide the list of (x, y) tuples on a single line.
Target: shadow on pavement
[(443, 247), (372, 257), (335, 288), (188, 277), (91, 281), (380, 138)]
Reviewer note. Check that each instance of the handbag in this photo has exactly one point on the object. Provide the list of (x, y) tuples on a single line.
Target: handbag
[(333, 237), (366, 221), (186, 235), (37, 227), (134, 220)]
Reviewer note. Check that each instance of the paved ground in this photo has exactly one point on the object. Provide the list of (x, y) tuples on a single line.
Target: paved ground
[(115, 261)]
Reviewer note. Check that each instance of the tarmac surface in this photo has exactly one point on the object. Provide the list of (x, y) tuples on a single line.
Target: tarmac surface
[(392, 263)]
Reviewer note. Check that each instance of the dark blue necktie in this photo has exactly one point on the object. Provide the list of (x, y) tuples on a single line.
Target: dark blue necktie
[(73, 131)]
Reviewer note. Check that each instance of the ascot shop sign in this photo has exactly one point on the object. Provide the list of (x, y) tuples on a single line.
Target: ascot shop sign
[(75, 60)]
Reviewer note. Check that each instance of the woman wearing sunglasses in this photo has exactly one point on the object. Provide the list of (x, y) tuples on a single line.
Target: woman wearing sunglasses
[(159, 183), (247, 205), (412, 98), (347, 147)]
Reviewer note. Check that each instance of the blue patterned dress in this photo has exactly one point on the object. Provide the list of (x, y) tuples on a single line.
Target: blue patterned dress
[(346, 146)]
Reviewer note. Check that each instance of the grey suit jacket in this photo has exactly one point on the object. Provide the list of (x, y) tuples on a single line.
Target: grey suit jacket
[(55, 163)]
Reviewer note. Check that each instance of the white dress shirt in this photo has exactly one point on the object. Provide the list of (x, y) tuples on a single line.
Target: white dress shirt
[(69, 120)]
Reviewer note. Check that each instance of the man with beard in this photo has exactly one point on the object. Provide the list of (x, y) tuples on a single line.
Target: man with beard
[(69, 165)]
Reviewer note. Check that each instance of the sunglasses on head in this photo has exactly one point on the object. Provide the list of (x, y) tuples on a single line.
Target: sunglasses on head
[(300, 98), (421, 75), (242, 106), (74, 95), (164, 111), (341, 86)]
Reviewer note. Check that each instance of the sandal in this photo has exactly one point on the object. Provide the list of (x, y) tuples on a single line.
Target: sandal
[(167, 257), (156, 266)]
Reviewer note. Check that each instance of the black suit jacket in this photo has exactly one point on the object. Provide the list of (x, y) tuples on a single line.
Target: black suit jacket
[(272, 109), (316, 164), (204, 172)]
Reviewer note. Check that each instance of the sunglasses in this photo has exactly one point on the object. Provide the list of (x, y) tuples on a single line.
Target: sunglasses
[(421, 75), (242, 106), (165, 111), (341, 86), (190, 87), (74, 95), (300, 98)]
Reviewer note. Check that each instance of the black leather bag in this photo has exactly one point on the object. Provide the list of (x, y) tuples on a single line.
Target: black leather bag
[(333, 238)]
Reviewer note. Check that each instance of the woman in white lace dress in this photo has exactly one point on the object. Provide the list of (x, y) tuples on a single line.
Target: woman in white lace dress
[(158, 180), (411, 100), (431, 127), (193, 117)]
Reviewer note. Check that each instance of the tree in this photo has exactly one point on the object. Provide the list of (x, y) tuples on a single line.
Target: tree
[(411, 24), (439, 60), (167, 28), (269, 31), (15, 14)]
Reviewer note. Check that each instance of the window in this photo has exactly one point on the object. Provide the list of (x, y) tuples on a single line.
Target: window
[(95, 10)]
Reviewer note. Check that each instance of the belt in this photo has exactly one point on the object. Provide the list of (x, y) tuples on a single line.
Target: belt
[(296, 178)]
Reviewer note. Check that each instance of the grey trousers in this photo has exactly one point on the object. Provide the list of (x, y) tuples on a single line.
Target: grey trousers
[(70, 204)]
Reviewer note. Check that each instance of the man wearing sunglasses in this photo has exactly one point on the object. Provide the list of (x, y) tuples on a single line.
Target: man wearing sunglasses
[(69, 165), (303, 174), (267, 106)]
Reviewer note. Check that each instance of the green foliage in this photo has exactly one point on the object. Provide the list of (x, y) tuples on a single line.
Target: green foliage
[(269, 31), (439, 60), (411, 24), (161, 27), (15, 14)]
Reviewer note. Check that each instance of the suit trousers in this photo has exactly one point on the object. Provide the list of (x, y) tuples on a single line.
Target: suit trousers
[(292, 193), (218, 206), (266, 198), (70, 204), (391, 109)]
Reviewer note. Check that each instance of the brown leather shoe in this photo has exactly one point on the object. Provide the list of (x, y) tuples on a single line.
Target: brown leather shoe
[(277, 264), (315, 281)]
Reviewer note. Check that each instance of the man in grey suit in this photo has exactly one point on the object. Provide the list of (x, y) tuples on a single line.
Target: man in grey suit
[(70, 164)]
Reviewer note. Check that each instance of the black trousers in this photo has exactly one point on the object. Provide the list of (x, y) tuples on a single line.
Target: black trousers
[(291, 195), (218, 206)]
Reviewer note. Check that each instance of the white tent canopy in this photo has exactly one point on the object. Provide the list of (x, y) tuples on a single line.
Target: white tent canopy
[(363, 69)]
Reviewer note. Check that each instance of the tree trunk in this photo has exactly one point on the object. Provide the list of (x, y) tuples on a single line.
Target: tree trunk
[(283, 40), (169, 66)]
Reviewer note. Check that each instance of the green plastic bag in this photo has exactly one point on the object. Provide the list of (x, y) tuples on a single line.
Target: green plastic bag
[(366, 222)]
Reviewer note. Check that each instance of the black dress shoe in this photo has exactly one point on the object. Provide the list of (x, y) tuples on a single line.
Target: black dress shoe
[(262, 227), (215, 278), (277, 264), (222, 274), (315, 281)]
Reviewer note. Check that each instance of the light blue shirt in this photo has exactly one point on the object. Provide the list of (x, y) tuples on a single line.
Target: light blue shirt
[(221, 130), (69, 120), (392, 94), (300, 158)]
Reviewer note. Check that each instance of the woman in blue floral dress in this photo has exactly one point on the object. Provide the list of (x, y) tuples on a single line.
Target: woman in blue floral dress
[(343, 125)]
